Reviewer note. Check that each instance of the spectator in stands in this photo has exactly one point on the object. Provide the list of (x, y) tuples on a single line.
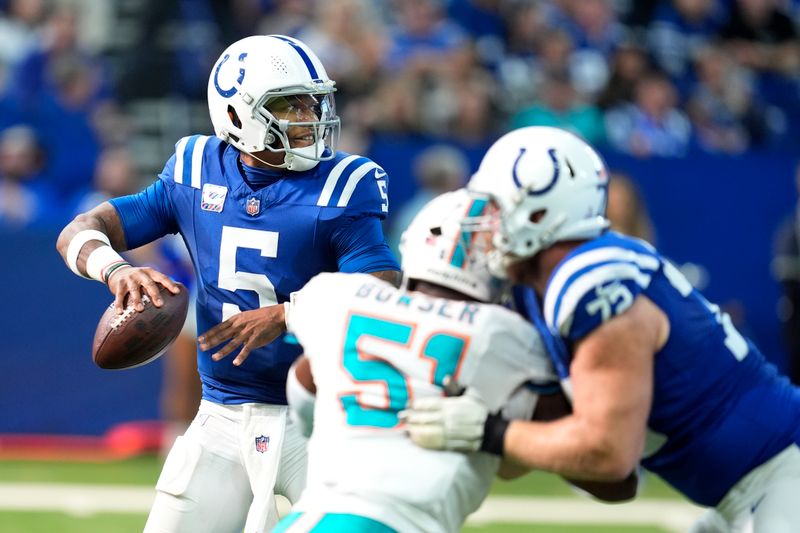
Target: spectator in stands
[(18, 29), (289, 17), (596, 33), (786, 269), (64, 118), (629, 64), (33, 78), (678, 30), (560, 106), (516, 70), (114, 176), (24, 196), (627, 210), (761, 36), (423, 40), (725, 114), (437, 170), (350, 37), (652, 125)]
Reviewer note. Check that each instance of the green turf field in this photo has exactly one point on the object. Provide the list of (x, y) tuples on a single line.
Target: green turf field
[(522, 495)]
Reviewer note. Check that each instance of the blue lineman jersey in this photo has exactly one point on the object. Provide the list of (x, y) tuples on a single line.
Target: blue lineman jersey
[(719, 409), (252, 248)]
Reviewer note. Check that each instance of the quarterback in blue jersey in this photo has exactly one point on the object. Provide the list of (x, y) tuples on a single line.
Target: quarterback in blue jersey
[(656, 373), (262, 208)]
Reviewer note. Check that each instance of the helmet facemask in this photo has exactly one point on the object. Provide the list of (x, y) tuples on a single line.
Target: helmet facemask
[(438, 249), (301, 113)]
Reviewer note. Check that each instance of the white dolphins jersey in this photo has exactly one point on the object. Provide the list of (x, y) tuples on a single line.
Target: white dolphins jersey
[(373, 349)]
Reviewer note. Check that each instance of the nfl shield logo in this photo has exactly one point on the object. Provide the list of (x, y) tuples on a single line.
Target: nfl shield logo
[(253, 206), (262, 444)]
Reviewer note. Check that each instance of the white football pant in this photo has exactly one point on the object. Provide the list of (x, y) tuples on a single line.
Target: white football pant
[(220, 475), (764, 501)]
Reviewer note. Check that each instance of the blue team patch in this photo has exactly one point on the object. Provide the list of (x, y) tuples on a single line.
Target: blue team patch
[(262, 443)]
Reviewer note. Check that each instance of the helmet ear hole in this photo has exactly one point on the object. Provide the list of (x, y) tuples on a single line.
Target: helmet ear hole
[(234, 116), (536, 216)]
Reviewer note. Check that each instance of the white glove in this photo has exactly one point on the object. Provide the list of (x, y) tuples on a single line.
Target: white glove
[(454, 423)]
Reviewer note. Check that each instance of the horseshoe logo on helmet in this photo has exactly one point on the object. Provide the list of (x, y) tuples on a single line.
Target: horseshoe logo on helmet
[(227, 93), (556, 172)]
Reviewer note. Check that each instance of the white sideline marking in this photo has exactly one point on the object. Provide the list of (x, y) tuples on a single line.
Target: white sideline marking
[(75, 499), (672, 515), (85, 500)]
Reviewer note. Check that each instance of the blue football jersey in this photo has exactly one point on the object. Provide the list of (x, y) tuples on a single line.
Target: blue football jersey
[(719, 409), (252, 248)]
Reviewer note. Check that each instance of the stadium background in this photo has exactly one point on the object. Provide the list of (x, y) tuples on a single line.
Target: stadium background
[(697, 101)]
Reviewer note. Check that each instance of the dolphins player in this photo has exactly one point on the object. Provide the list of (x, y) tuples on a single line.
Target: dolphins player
[(370, 349)]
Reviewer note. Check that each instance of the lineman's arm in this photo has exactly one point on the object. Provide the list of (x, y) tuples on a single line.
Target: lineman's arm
[(552, 407), (602, 440), (98, 234), (612, 384)]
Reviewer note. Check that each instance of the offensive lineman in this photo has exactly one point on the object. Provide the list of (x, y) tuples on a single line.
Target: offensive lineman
[(262, 207), (655, 372), (372, 349)]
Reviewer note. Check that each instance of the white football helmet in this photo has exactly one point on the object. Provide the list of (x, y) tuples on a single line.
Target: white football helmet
[(435, 248), (548, 186), (258, 77)]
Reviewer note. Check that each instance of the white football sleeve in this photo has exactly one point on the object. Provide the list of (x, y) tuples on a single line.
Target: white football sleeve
[(301, 403)]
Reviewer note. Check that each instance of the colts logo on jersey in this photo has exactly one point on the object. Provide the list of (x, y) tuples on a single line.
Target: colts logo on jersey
[(262, 444)]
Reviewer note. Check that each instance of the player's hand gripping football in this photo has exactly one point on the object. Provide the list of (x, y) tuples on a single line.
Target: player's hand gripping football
[(248, 329), (454, 422), (128, 283)]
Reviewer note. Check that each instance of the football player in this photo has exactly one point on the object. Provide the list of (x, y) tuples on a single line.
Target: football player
[(656, 373), (262, 207), (371, 348)]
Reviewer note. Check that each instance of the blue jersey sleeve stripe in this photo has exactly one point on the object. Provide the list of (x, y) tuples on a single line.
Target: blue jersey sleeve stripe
[(180, 149), (575, 265), (333, 179), (352, 182), (595, 277), (302, 53), (197, 160), (188, 152)]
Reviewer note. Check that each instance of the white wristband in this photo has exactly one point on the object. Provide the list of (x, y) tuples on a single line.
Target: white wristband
[(77, 242), (99, 260), (287, 308)]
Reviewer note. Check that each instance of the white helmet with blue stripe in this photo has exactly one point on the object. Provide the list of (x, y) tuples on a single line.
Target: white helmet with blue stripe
[(256, 87), (549, 186), (436, 249)]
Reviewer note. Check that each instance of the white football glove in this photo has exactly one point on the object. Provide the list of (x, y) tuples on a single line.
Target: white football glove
[(453, 423)]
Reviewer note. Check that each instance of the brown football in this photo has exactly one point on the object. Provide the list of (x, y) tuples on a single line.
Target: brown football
[(135, 338)]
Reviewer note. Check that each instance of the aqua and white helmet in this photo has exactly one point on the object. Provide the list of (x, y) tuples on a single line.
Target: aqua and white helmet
[(548, 185), (260, 72), (436, 249)]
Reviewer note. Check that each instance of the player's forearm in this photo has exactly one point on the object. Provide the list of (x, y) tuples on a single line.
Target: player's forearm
[(572, 448), (392, 276), (104, 224)]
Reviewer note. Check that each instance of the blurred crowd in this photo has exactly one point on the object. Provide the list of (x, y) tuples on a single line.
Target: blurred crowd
[(649, 78)]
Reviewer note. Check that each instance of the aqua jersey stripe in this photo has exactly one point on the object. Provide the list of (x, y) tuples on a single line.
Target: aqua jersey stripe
[(303, 56), (331, 523), (459, 253)]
